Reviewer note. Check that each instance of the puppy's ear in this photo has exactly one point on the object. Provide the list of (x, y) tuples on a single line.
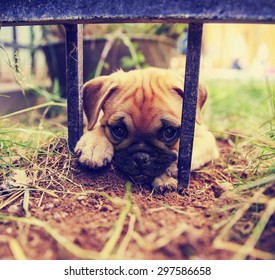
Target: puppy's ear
[(202, 96), (95, 93)]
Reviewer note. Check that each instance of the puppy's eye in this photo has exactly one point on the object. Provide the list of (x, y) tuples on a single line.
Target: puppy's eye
[(169, 134), (118, 132)]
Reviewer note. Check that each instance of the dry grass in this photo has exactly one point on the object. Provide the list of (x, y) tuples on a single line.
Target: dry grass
[(46, 169)]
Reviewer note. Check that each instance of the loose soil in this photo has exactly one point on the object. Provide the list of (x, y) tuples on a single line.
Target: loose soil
[(157, 226)]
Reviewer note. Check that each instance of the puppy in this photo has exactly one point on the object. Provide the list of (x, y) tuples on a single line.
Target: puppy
[(134, 119)]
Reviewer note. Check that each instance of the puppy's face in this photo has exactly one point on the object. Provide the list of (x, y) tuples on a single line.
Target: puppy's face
[(141, 118)]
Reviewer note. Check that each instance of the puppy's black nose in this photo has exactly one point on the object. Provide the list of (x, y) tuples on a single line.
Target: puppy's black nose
[(141, 158)]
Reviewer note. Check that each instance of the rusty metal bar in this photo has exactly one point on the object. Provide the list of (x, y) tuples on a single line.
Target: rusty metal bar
[(74, 82), (191, 81)]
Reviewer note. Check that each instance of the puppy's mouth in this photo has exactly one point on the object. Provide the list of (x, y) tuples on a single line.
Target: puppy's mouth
[(142, 163)]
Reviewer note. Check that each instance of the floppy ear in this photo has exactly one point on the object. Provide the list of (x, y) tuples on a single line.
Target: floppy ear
[(95, 93), (202, 96)]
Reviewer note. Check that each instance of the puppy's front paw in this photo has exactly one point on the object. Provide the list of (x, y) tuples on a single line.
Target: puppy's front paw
[(164, 183), (94, 150)]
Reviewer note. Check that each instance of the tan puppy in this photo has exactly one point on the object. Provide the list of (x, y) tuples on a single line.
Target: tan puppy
[(134, 119)]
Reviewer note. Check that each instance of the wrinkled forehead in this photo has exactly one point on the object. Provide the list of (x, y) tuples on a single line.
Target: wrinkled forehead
[(149, 78), (146, 88), (145, 98)]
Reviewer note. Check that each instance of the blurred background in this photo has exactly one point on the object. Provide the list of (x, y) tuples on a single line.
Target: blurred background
[(238, 66), (225, 46)]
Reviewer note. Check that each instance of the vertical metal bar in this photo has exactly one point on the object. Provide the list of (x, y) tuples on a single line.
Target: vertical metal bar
[(15, 47), (74, 82), (192, 70), (32, 52)]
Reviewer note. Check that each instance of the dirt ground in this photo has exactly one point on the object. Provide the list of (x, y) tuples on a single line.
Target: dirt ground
[(93, 216)]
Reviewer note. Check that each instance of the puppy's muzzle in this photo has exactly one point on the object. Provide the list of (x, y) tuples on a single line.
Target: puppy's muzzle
[(143, 162)]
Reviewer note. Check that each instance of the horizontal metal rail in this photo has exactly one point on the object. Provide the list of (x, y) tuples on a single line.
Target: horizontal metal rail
[(29, 12)]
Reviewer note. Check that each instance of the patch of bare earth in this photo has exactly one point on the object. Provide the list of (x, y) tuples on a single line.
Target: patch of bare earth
[(86, 213)]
